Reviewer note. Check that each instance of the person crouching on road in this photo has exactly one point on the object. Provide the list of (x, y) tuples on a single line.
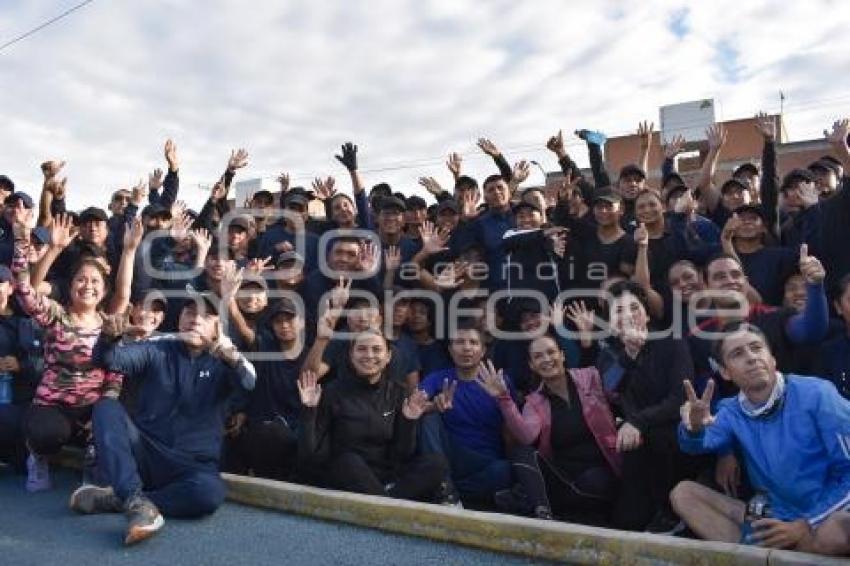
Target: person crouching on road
[(165, 459)]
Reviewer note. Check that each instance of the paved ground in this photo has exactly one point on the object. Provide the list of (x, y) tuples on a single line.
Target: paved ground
[(38, 529)]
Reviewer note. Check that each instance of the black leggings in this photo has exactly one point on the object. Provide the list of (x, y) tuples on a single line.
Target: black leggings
[(584, 498), (418, 479), (47, 428)]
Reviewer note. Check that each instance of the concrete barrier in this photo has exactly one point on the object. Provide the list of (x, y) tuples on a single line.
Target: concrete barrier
[(575, 544)]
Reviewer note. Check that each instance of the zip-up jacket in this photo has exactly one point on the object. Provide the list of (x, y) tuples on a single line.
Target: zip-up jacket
[(356, 416), (181, 399), (799, 454)]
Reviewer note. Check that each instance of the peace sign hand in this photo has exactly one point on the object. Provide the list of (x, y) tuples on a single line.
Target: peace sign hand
[(696, 412), (415, 405), (443, 400)]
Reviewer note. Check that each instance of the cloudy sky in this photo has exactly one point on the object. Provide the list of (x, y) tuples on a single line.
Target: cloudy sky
[(408, 80)]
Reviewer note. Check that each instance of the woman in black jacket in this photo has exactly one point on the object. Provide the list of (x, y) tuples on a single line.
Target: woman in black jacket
[(361, 432)]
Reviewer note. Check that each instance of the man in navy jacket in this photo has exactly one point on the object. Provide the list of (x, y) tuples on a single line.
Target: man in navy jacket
[(164, 458)]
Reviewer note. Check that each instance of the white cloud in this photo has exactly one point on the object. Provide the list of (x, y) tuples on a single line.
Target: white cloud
[(407, 80)]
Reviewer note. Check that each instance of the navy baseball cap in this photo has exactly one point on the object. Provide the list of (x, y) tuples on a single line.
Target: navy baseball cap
[(20, 196)]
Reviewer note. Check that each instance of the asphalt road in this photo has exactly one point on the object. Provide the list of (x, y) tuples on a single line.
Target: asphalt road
[(40, 530)]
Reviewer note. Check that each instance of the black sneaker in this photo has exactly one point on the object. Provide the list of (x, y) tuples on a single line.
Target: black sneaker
[(90, 499), (447, 495), (544, 513), (665, 523), (513, 501), (144, 519)]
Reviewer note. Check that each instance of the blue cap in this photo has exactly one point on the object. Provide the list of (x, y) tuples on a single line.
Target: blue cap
[(41, 234)]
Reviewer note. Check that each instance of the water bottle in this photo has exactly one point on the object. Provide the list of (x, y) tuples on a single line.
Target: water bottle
[(5, 389), (757, 508)]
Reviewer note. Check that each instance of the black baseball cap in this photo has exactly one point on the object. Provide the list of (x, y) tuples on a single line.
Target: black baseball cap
[(676, 191), (795, 176), (448, 204), (152, 297), (607, 195), (251, 280), (208, 297), (416, 203), (392, 202), (93, 213), (754, 208), (284, 305), (672, 176), (526, 203), (746, 167), (241, 221), (632, 170), (41, 235), (733, 183), (296, 198), (287, 257), (156, 210)]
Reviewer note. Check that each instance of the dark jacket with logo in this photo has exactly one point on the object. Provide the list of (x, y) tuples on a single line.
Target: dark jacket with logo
[(356, 416)]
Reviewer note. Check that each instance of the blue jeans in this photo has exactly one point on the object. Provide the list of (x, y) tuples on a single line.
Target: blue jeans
[(133, 464), (474, 475)]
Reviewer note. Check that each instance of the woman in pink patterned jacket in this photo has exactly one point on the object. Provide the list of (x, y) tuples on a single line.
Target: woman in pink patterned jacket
[(70, 383), (567, 464)]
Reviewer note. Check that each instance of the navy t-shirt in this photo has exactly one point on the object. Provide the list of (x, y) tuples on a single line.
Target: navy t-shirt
[(767, 269), (475, 421)]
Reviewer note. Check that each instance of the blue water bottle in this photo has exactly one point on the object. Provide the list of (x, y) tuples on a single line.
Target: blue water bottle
[(5, 389), (757, 508)]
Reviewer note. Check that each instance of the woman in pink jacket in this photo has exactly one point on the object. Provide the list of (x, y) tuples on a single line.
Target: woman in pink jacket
[(567, 463)]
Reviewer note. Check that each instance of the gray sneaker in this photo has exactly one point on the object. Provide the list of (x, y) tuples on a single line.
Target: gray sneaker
[(90, 499), (143, 518)]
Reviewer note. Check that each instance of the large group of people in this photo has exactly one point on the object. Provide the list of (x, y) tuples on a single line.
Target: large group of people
[(605, 350)]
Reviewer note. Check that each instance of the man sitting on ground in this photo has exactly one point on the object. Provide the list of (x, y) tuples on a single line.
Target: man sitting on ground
[(794, 433)]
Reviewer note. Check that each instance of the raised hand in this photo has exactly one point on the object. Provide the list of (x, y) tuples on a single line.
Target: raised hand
[(327, 321), (368, 256), (644, 132), (730, 229), (324, 189), (453, 163), (415, 405), (433, 240), (155, 180), (556, 144), (62, 231), (392, 258), (696, 412), (180, 227), (491, 380), (170, 152), (340, 293), (431, 185), (348, 156), (114, 325), (52, 168), (488, 147), (811, 267), (283, 180), (133, 234), (56, 186), (203, 241), (451, 277), (674, 147), (716, 136), (684, 204), (521, 171), (258, 265), (309, 389), (766, 126), (139, 193), (238, 159), (231, 281), (443, 400), (641, 235), (469, 205), (580, 316)]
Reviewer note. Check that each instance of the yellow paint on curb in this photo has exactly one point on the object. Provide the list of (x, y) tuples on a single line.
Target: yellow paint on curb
[(549, 540)]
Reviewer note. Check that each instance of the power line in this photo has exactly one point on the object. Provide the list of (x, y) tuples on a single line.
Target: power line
[(41, 26)]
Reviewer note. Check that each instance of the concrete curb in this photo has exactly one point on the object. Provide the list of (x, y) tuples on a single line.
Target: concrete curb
[(496, 532)]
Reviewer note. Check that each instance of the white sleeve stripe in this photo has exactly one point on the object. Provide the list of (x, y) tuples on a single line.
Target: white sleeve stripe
[(820, 518)]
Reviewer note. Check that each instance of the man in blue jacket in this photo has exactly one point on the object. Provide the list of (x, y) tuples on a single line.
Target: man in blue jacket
[(794, 433), (165, 459)]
